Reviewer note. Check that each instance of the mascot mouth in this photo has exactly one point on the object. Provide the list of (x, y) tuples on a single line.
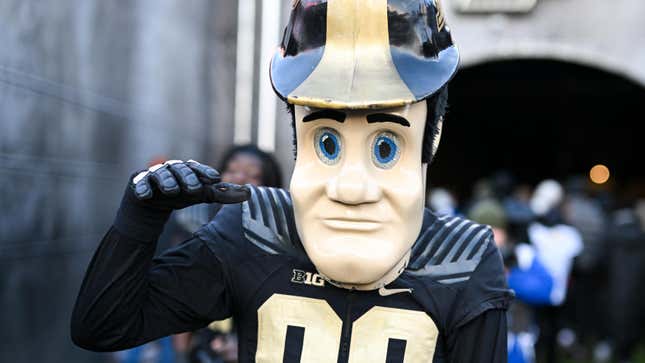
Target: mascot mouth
[(351, 224)]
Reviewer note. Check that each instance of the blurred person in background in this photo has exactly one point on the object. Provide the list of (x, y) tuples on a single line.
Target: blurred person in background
[(526, 275), (556, 245), (502, 184), (585, 213), (518, 210), (241, 164), (626, 240), (481, 190), (247, 164), (514, 197), (587, 301)]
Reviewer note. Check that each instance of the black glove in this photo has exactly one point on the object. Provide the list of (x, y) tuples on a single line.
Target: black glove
[(153, 194), (177, 185)]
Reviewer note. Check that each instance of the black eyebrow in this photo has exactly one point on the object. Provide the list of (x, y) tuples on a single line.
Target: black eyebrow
[(329, 114), (387, 117)]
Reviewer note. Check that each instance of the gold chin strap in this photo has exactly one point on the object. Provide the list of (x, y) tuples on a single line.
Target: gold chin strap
[(356, 70), (389, 277)]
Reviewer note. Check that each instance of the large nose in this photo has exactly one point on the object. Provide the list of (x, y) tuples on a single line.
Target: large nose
[(353, 185)]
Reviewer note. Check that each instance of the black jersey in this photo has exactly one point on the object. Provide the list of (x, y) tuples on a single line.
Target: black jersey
[(447, 306)]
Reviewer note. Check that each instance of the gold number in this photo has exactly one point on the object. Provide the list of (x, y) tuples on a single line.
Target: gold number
[(322, 328), (370, 333)]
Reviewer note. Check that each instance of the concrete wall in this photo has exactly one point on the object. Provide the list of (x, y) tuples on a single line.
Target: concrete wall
[(608, 35), (89, 91)]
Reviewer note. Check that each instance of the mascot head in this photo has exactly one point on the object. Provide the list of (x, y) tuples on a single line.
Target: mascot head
[(366, 83)]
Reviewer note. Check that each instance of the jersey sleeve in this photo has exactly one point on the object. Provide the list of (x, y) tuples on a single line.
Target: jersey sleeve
[(485, 290), (128, 298)]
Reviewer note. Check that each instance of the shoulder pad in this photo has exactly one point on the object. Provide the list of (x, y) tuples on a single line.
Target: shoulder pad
[(449, 249), (268, 222)]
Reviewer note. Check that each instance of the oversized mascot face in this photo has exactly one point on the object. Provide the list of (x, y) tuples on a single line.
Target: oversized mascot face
[(350, 68), (358, 189)]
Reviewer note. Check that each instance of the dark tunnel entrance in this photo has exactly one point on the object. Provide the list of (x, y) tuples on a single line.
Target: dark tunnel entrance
[(539, 119)]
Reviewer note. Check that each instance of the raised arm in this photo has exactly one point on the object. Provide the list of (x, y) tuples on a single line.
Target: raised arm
[(127, 298)]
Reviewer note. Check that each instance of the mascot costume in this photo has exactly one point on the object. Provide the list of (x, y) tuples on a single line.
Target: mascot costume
[(346, 266)]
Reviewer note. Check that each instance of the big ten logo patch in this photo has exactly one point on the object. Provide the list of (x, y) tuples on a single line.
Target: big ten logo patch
[(307, 278)]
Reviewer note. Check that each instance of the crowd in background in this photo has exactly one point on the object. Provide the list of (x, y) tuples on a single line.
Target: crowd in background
[(575, 258), (575, 261)]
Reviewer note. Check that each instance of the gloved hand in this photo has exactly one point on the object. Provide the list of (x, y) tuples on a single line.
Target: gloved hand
[(176, 185), (153, 194)]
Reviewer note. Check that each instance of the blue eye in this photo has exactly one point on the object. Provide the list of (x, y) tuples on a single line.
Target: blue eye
[(327, 143), (385, 150)]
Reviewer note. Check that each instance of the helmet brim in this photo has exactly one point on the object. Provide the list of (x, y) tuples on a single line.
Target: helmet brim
[(411, 80)]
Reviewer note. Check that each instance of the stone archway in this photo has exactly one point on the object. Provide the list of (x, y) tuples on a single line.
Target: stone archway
[(540, 118)]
